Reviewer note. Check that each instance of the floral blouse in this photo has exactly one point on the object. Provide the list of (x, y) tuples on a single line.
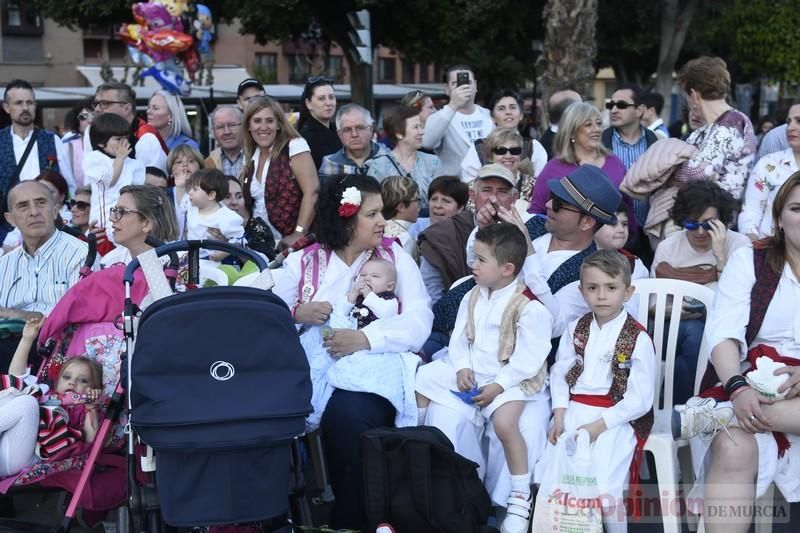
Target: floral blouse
[(727, 148), (768, 175)]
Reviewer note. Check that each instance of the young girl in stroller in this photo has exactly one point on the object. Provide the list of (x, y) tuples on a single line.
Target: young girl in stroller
[(32, 429)]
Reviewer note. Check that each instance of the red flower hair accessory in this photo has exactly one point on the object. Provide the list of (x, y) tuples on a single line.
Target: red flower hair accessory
[(350, 202)]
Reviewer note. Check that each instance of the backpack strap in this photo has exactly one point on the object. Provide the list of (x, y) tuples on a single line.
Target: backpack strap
[(418, 459)]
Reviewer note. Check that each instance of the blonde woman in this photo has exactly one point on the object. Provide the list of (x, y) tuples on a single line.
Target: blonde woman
[(400, 195), (576, 143), (504, 146), (165, 112), (279, 176)]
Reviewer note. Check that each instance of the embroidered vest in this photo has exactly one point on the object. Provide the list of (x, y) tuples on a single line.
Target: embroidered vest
[(45, 146), (314, 263), (363, 314), (508, 331), (620, 365), (760, 296), (282, 194)]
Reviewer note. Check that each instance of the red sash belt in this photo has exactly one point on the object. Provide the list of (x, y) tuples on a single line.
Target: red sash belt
[(761, 350), (605, 400)]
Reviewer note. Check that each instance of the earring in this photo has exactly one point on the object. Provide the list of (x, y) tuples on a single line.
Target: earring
[(572, 140)]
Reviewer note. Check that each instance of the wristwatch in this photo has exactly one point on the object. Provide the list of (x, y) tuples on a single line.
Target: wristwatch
[(299, 229)]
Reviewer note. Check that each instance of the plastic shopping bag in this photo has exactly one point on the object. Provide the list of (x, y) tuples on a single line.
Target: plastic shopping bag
[(569, 497)]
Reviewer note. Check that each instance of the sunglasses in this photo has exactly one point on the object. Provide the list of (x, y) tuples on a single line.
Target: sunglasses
[(694, 224), (620, 105), (558, 204), (82, 206), (83, 116), (320, 79), (502, 150)]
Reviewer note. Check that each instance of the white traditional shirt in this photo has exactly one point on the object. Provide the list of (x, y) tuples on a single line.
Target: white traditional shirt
[(534, 330), (406, 332), (597, 377), (769, 174), (30, 170), (730, 313)]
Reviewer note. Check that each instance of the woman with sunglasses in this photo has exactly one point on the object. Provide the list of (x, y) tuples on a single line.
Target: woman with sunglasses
[(504, 147), (315, 123), (726, 140), (404, 132), (506, 107), (697, 254), (79, 207), (578, 142)]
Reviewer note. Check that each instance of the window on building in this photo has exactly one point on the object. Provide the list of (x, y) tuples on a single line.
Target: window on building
[(386, 73), (333, 68), (266, 67), (298, 68), (425, 73), (409, 71), (20, 18)]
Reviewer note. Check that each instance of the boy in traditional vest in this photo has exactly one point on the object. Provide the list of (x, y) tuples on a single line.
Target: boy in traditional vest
[(602, 381), (497, 363)]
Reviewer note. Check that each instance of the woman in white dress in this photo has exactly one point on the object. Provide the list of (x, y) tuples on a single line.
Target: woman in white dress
[(738, 464)]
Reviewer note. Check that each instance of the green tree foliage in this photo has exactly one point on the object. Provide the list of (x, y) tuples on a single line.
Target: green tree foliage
[(766, 34)]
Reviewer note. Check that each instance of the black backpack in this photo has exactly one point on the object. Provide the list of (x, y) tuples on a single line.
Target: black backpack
[(415, 481)]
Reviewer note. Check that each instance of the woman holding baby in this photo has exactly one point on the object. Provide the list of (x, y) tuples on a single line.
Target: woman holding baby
[(370, 358), (754, 316)]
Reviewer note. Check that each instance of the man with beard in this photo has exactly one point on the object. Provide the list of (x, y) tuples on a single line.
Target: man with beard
[(25, 150)]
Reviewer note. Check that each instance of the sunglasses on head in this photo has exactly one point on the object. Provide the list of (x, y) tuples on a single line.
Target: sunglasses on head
[(83, 116), (558, 204), (620, 105), (80, 205), (694, 224), (320, 79), (502, 150)]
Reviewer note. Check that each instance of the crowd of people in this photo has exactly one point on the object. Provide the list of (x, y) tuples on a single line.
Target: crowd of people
[(461, 275)]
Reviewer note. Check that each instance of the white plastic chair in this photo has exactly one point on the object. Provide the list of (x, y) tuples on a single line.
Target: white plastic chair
[(660, 443)]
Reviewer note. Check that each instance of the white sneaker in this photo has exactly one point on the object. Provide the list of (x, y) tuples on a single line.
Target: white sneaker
[(701, 416), (518, 513)]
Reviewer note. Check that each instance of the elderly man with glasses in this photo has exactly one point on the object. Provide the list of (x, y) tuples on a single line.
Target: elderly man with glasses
[(354, 126), (119, 98), (226, 123), (36, 275)]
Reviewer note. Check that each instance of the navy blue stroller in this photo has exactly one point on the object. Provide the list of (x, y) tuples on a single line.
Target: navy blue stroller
[(219, 387)]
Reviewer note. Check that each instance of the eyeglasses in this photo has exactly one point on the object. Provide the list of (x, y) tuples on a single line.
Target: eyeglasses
[(81, 206), (558, 204), (228, 126), (105, 104), (320, 79), (117, 213), (621, 105), (503, 150), (694, 224), (358, 130), (84, 116)]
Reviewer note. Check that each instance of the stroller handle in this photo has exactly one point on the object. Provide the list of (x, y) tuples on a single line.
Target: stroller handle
[(184, 246)]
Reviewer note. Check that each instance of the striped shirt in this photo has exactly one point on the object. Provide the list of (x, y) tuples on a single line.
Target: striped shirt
[(629, 153), (37, 282)]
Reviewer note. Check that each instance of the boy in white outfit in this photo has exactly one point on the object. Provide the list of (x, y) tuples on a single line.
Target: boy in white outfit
[(108, 167), (497, 364), (206, 189), (602, 381)]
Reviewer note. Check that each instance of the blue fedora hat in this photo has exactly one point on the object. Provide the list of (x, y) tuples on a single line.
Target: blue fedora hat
[(589, 189)]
